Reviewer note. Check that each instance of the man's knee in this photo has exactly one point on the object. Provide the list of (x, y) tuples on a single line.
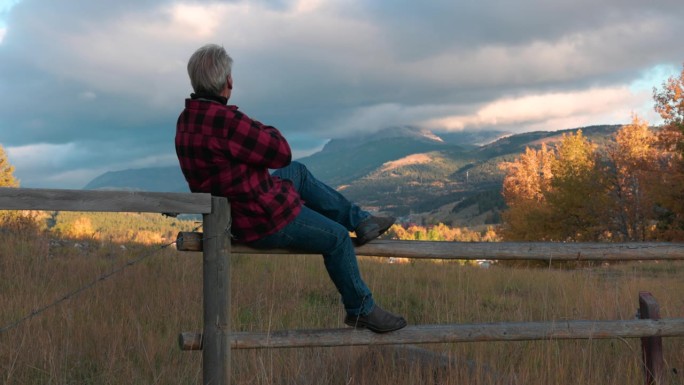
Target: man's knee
[(338, 230), (299, 167), (292, 171), (340, 234)]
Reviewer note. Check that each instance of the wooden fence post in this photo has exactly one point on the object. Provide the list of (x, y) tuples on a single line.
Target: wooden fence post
[(216, 289), (651, 347)]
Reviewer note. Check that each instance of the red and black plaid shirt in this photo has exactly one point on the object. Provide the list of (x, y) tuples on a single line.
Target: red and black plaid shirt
[(223, 152)]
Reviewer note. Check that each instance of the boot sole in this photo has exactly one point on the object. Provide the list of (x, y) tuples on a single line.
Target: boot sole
[(363, 325), (360, 241)]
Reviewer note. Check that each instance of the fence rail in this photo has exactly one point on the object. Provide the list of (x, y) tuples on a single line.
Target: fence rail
[(445, 333), (217, 340), (509, 251), (503, 251), (110, 201)]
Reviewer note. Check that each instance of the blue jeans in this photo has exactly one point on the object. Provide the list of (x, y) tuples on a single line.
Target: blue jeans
[(323, 227)]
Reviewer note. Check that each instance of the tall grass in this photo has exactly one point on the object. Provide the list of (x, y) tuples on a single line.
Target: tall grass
[(124, 329)]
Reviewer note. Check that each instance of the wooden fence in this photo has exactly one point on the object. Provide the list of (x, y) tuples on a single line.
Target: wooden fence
[(216, 340)]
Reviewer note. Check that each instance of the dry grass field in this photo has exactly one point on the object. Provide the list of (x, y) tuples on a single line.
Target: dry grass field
[(124, 329)]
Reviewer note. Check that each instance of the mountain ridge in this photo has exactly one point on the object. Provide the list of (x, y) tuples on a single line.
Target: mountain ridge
[(156, 179), (405, 171)]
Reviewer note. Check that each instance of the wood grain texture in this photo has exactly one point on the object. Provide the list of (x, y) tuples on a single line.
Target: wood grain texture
[(651, 347), (189, 241), (110, 201), (216, 294), (426, 334), (542, 251)]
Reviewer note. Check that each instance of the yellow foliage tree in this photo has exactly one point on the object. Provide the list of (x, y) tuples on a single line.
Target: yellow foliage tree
[(529, 176), (669, 103), (578, 194), (527, 181), (81, 228), (7, 178), (555, 195), (633, 171), (442, 232)]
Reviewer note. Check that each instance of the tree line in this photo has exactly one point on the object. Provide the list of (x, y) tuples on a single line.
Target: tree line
[(629, 190)]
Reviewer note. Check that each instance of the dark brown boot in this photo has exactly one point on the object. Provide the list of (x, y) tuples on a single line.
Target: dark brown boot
[(378, 321), (371, 228)]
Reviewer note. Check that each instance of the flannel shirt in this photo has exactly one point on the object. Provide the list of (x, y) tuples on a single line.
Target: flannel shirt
[(223, 152)]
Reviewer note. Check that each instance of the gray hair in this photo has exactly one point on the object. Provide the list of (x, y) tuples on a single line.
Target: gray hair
[(209, 68)]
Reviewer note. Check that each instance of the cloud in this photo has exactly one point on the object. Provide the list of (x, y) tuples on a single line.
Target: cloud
[(74, 164), (50, 165), (537, 111), (607, 105), (376, 117), (5, 8), (107, 82)]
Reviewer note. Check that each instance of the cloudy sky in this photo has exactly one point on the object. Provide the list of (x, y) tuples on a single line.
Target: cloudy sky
[(93, 86)]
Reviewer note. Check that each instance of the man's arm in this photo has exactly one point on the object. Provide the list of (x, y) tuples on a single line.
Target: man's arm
[(254, 143)]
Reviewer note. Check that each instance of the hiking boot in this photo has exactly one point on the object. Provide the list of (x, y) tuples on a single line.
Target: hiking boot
[(371, 228), (378, 321)]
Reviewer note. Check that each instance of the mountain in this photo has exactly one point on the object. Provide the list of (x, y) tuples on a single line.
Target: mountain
[(452, 178), (421, 176), (343, 161), (161, 179), (599, 135)]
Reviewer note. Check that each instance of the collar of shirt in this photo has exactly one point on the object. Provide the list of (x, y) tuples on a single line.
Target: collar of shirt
[(211, 97)]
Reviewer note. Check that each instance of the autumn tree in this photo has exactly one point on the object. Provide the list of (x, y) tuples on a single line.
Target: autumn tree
[(7, 178), (633, 191), (81, 228), (669, 197), (442, 232), (577, 197), (556, 195), (669, 103), (525, 186), (632, 169)]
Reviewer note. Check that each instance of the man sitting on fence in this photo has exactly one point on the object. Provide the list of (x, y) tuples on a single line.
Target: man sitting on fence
[(224, 152)]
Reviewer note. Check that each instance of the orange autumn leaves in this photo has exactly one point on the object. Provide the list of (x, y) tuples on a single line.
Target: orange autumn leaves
[(630, 190)]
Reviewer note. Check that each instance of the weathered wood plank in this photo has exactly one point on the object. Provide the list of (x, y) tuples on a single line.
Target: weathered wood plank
[(190, 341), (425, 334), (543, 251), (651, 347), (216, 292), (189, 241), (96, 200)]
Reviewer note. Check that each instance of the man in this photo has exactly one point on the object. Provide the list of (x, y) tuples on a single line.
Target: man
[(224, 152)]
